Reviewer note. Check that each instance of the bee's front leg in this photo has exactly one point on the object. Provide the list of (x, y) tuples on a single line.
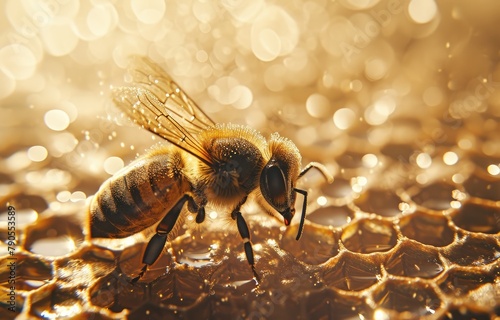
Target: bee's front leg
[(157, 242), (245, 235), (198, 207)]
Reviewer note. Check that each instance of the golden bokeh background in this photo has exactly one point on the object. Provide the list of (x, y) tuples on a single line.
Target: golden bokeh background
[(400, 99)]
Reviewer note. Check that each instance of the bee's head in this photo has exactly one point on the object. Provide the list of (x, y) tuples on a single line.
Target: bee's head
[(278, 178)]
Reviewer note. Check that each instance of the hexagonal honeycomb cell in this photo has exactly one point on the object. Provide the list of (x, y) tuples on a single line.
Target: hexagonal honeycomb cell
[(425, 228), (400, 297), (351, 272), (413, 259), (367, 236), (400, 100), (478, 218)]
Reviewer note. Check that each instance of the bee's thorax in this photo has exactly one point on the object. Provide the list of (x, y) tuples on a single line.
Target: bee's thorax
[(235, 171)]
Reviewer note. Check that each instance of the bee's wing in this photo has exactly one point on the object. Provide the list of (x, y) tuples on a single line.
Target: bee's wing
[(159, 105), (152, 77)]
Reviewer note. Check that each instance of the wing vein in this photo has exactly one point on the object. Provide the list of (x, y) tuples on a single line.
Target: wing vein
[(159, 105)]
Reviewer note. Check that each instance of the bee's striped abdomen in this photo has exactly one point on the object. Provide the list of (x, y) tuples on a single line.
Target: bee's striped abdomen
[(138, 196)]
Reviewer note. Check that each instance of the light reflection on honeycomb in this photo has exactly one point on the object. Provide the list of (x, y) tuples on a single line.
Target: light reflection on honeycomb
[(399, 99)]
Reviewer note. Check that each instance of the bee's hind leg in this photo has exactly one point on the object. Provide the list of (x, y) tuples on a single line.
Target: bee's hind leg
[(245, 235), (157, 242)]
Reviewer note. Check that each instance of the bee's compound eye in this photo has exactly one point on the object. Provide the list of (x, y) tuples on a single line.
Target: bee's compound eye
[(275, 181), (273, 186)]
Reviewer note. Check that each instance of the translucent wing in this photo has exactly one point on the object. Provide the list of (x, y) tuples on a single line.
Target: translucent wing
[(150, 76), (158, 104)]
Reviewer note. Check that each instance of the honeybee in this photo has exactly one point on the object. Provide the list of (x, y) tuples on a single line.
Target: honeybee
[(219, 165)]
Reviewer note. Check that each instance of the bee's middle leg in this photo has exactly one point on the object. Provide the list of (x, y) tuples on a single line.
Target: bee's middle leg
[(157, 242)]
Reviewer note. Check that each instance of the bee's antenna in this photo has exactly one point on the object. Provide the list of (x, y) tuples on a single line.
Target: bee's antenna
[(303, 215), (329, 179), (321, 168)]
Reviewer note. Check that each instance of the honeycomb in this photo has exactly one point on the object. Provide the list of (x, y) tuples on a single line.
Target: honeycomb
[(398, 98)]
